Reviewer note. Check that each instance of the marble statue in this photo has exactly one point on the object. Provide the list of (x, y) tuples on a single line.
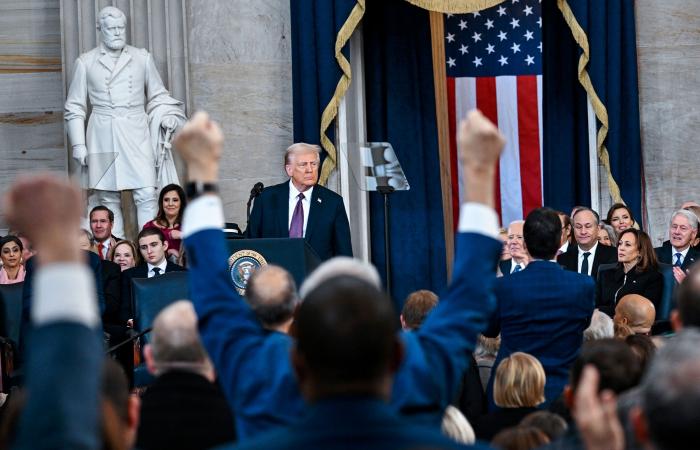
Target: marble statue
[(133, 116)]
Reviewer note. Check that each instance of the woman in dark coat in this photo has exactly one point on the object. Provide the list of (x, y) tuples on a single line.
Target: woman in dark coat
[(636, 273)]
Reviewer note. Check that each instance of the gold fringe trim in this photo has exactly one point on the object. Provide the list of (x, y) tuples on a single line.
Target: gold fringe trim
[(455, 6), (601, 111), (331, 110)]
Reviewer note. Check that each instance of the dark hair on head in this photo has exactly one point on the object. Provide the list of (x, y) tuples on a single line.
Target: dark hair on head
[(617, 206), (585, 208), (272, 294), (11, 238), (520, 438), (688, 298), (160, 217), (647, 256), (619, 367), (153, 231), (542, 233), (566, 224), (553, 425), (643, 347), (346, 331), (110, 214), (417, 306)]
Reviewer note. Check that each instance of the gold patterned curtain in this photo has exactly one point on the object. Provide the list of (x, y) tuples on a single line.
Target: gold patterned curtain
[(455, 6)]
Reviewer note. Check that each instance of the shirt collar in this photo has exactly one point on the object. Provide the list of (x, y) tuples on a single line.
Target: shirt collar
[(294, 192), (591, 251), (161, 266), (675, 250)]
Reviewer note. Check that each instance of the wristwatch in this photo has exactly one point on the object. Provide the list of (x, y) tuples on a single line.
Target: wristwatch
[(194, 189)]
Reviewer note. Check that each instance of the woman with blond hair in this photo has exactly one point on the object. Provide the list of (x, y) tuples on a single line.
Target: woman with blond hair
[(518, 388)]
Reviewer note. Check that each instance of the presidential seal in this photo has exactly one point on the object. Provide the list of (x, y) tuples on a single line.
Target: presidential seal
[(241, 266)]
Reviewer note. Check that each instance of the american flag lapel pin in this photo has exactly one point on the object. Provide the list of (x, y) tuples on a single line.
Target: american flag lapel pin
[(319, 200)]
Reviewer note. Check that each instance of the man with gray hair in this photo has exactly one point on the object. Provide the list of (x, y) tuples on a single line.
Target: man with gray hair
[(272, 295), (300, 208), (587, 255), (678, 250), (601, 327), (183, 408), (132, 113)]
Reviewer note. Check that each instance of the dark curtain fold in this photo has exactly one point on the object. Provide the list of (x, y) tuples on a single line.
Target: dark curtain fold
[(400, 105), (566, 173)]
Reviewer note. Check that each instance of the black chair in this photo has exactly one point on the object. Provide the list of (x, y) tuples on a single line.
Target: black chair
[(10, 323), (150, 296)]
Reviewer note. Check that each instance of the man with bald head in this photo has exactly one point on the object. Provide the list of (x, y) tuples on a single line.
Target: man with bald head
[(634, 314), (272, 295), (300, 208)]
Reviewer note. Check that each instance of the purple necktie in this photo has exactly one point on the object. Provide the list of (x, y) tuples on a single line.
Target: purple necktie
[(296, 228)]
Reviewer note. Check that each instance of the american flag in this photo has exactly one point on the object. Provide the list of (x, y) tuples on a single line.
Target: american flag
[(494, 63)]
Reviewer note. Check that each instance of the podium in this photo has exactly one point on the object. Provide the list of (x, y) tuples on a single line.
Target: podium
[(295, 255)]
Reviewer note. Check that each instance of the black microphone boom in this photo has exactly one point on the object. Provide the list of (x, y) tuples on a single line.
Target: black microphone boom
[(257, 190)]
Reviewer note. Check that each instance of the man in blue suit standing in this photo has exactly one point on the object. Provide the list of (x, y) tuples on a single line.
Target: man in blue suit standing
[(543, 309), (254, 367), (299, 208)]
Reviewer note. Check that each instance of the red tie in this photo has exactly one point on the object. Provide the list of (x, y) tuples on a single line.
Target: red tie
[(100, 247)]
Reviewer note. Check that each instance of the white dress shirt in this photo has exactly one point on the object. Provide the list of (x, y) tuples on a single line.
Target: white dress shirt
[(306, 204), (105, 247), (590, 258), (161, 266), (682, 252)]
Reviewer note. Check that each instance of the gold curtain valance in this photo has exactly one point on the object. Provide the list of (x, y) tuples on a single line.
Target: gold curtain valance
[(455, 6)]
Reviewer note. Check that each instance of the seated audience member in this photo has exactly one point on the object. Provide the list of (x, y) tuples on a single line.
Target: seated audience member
[(416, 308), (123, 407), (520, 438), (27, 248), (619, 370), (272, 295), (125, 255), (101, 224), (553, 425), (678, 250), (86, 241), (601, 327), (634, 314), (636, 273), (336, 266), (643, 347), (171, 204), (516, 248), (271, 395), (65, 350), (620, 218), (606, 235), (670, 406), (687, 311), (12, 270), (485, 355), (695, 209), (588, 254), (543, 310), (518, 389), (567, 237), (153, 248), (456, 427), (503, 236), (183, 408)]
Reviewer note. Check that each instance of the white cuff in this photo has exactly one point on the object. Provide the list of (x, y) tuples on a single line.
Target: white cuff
[(478, 218), (203, 213), (65, 292)]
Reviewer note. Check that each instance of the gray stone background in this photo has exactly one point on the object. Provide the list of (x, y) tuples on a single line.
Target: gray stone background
[(240, 71)]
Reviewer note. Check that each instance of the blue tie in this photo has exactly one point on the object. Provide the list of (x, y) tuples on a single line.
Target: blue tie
[(678, 259), (517, 268)]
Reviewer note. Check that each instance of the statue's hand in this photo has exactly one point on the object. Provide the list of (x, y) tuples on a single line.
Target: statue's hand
[(169, 123), (80, 154)]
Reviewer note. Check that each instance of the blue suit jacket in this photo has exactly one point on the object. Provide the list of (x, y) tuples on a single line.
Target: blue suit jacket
[(543, 311), (253, 365), (327, 228), (351, 423)]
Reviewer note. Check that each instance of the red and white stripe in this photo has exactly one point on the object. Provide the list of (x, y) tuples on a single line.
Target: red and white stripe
[(515, 104)]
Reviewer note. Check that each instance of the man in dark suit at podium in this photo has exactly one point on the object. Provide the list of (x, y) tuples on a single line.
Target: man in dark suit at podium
[(299, 208)]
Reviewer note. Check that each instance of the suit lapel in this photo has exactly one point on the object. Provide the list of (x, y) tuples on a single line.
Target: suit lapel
[(314, 210), (690, 258), (123, 60), (283, 210)]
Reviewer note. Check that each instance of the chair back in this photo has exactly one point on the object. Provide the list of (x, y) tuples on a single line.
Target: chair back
[(151, 295), (663, 310), (11, 303)]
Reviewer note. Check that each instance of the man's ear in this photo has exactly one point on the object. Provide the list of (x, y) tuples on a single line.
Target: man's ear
[(403, 322), (148, 356), (165, 246), (676, 323), (289, 169)]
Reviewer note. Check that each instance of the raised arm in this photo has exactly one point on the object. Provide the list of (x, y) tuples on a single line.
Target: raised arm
[(65, 349)]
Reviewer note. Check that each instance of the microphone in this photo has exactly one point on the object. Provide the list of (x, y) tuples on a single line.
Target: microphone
[(257, 189)]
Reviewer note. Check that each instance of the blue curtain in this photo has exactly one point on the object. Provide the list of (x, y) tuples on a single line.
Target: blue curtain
[(610, 30), (315, 71), (400, 102)]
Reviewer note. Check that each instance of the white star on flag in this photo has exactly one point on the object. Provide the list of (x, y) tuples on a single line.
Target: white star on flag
[(528, 35), (530, 60), (450, 37), (464, 49), (451, 62), (476, 36), (502, 36), (489, 24), (501, 11), (503, 60), (476, 14), (490, 48), (515, 47), (477, 62), (462, 24), (527, 10), (515, 23)]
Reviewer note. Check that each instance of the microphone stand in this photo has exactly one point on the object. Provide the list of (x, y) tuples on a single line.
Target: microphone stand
[(385, 191)]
